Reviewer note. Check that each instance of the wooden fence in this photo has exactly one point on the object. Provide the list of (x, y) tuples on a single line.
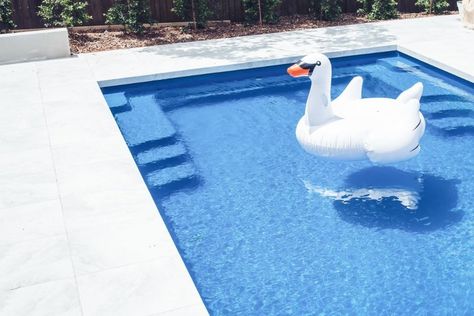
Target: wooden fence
[(25, 10)]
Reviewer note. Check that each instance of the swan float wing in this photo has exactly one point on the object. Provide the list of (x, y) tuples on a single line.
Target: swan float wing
[(390, 148), (396, 138), (343, 105), (352, 92)]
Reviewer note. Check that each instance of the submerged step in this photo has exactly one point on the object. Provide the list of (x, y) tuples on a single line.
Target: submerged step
[(218, 96), (145, 122), (444, 98), (396, 66), (169, 175), (160, 153), (117, 102), (117, 99), (451, 122), (459, 113)]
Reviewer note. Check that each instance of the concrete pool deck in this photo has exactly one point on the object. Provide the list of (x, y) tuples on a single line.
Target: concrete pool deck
[(79, 231)]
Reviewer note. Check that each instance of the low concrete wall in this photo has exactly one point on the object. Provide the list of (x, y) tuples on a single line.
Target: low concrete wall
[(35, 45)]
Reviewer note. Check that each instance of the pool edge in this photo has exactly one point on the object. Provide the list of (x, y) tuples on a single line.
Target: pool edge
[(397, 48), (240, 66)]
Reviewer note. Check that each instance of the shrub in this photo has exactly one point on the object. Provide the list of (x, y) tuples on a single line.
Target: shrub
[(6, 15), (268, 10), (328, 10), (251, 11), (196, 10), (132, 14), (64, 13), (383, 10), (366, 6), (433, 6), (117, 14), (379, 9)]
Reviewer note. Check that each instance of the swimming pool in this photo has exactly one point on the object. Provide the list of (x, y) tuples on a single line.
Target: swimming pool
[(267, 229)]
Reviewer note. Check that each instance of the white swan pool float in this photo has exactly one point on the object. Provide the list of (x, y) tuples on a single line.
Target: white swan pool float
[(382, 130)]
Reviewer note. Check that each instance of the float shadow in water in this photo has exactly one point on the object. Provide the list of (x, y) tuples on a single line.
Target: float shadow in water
[(389, 198)]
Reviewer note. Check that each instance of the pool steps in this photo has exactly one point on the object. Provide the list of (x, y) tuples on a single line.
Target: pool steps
[(160, 154), (161, 177), (164, 161)]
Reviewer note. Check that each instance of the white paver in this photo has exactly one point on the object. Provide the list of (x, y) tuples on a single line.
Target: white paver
[(79, 232), (147, 288), (30, 221), (35, 261)]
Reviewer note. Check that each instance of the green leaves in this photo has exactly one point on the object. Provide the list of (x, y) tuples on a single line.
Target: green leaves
[(327, 10), (433, 6), (379, 9), (64, 13), (196, 10), (132, 14), (383, 10), (268, 7), (6, 16), (117, 14)]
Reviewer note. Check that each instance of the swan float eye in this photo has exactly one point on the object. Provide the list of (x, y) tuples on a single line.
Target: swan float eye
[(318, 63)]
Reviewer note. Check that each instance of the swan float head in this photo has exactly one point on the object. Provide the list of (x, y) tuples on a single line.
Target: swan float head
[(313, 66), (350, 127)]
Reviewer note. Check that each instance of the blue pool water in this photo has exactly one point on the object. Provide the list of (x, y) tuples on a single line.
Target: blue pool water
[(267, 229)]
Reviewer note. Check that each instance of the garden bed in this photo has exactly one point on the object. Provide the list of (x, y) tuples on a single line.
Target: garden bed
[(87, 41)]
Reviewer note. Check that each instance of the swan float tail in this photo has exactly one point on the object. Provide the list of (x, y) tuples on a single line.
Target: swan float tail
[(414, 92)]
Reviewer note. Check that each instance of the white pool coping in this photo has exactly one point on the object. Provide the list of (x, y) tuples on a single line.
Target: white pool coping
[(79, 232)]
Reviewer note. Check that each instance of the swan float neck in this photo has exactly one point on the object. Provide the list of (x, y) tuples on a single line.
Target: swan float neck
[(318, 106)]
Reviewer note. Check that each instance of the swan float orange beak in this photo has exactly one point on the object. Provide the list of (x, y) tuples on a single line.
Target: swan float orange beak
[(297, 71)]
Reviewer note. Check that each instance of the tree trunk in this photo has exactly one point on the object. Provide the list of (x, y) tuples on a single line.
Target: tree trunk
[(193, 9), (260, 12)]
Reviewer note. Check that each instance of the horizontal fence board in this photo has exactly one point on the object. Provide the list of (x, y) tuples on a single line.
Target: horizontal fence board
[(25, 11)]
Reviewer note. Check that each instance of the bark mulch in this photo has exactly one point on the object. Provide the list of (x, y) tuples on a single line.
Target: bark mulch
[(94, 41)]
